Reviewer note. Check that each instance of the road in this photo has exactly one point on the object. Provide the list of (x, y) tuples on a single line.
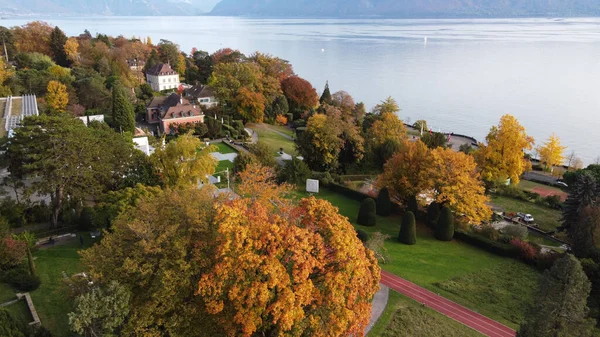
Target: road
[(446, 307)]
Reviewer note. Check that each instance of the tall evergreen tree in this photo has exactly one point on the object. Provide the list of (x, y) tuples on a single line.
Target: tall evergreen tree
[(583, 193), (560, 307), (326, 96), (444, 230), (408, 230), (123, 116), (384, 204), (57, 45)]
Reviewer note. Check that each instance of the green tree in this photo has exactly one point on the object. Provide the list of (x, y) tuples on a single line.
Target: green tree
[(11, 326), (67, 159), (433, 213), (408, 230), (444, 230), (367, 213), (58, 39), (101, 311), (295, 171), (384, 203), (583, 193), (183, 162), (263, 154), (434, 139), (560, 307), (123, 115), (242, 161), (8, 43), (169, 53), (326, 96), (389, 105)]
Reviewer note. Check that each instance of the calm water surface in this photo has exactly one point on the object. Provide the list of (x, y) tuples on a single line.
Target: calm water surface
[(546, 72)]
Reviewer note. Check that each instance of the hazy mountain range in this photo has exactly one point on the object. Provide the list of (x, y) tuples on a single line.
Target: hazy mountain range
[(106, 7), (409, 8), (308, 8)]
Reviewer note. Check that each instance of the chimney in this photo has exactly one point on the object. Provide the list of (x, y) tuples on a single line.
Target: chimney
[(180, 100)]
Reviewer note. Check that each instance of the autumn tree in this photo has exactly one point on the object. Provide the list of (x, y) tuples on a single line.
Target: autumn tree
[(159, 247), (406, 174), (352, 150), (344, 101), (183, 162), (300, 94), (560, 306), (456, 184), (123, 115), (272, 66), (320, 144), (503, 156), (551, 153), (33, 37), (57, 96), (58, 39), (304, 248), (250, 105), (386, 132)]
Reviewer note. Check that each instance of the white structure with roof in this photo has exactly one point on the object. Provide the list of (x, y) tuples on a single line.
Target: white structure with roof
[(162, 77), (142, 144), (87, 119)]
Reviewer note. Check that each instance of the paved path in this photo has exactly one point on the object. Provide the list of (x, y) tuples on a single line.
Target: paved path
[(379, 303), (457, 312)]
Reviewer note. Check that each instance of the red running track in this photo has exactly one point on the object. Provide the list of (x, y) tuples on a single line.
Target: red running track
[(457, 312)]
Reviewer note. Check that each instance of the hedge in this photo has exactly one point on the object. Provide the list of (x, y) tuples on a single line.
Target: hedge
[(408, 230), (348, 192), (384, 204), (444, 231), (366, 213), (491, 246)]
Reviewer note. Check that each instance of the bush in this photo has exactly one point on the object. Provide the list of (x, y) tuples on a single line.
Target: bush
[(553, 201), (294, 171), (350, 193), (498, 248), (433, 214), (527, 252), (12, 252), (21, 279), (13, 212), (444, 231), (489, 232), (300, 123), (366, 213), (515, 231), (289, 117), (362, 235), (11, 326), (408, 230), (384, 204)]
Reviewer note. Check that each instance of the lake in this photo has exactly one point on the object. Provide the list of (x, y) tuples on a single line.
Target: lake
[(460, 75)]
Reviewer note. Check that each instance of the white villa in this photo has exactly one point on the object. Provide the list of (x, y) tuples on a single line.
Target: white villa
[(162, 77)]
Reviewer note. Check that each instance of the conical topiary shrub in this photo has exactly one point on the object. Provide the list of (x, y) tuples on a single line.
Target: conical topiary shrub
[(362, 235), (433, 214), (444, 230), (408, 230), (412, 204), (384, 204), (366, 213)]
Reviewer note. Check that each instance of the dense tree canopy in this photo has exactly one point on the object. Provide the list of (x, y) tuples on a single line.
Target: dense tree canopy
[(300, 94), (503, 156), (320, 144)]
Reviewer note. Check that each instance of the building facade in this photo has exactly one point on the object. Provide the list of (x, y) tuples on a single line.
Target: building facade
[(203, 95), (162, 77), (167, 111)]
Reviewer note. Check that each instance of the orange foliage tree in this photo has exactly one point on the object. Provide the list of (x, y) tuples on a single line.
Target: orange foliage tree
[(300, 93), (250, 105), (293, 271), (33, 37)]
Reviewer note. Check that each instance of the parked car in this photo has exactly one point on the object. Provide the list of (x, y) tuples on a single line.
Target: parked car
[(525, 217), (561, 184)]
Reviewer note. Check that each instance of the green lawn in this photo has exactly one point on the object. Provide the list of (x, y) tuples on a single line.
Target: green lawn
[(283, 129), (430, 263), (273, 139), (529, 185), (20, 310), (223, 164), (224, 148), (405, 317), (49, 299), (546, 218)]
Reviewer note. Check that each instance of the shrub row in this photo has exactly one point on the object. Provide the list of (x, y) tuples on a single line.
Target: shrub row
[(552, 201), (491, 246), (21, 279)]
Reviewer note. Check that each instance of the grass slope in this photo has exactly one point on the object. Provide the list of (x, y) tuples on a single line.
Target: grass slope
[(267, 134), (405, 317), (430, 263), (546, 218)]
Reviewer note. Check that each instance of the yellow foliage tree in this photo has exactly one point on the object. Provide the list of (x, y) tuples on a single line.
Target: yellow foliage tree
[(503, 156), (182, 162), (406, 174), (448, 177), (321, 143), (5, 74), (388, 128), (456, 183), (57, 96), (552, 152), (72, 49), (181, 66), (297, 272), (149, 41)]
